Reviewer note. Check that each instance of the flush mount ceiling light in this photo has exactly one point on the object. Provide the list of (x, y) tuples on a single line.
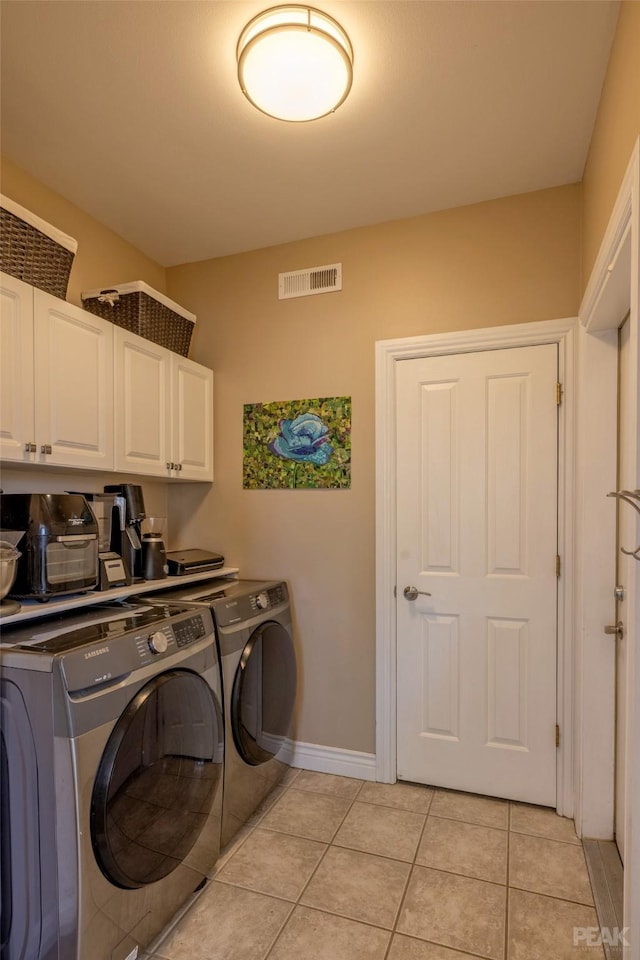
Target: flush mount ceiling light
[(295, 63)]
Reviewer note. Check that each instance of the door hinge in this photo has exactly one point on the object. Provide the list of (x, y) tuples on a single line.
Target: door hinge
[(557, 735), (558, 565), (558, 393)]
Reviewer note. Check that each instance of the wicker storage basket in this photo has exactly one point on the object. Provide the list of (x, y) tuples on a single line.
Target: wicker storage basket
[(141, 309), (34, 251)]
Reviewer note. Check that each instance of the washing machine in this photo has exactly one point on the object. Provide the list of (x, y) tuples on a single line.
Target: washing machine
[(111, 771), (259, 680)]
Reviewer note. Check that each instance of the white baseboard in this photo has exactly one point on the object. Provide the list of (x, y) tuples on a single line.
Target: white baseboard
[(344, 763)]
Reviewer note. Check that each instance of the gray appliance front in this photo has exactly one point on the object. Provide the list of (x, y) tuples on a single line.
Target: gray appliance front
[(259, 677), (129, 809)]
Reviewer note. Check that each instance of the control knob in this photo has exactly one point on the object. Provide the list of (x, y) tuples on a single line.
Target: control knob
[(262, 601), (158, 642)]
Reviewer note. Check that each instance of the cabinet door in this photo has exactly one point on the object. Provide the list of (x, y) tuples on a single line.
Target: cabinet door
[(73, 385), (17, 429), (192, 407), (142, 385)]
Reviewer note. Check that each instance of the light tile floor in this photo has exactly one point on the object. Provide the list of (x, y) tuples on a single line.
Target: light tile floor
[(338, 869)]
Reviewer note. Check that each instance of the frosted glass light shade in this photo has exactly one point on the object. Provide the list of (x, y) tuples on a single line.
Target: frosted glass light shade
[(295, 63)]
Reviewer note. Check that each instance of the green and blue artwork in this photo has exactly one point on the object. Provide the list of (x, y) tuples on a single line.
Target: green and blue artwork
[(297, 444)]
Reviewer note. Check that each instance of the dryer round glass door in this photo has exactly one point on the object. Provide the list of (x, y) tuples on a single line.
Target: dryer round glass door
[(157, 779), (264, 693)]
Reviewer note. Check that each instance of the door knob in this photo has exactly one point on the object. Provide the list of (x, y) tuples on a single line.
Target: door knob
[(615, 629), (410, 593)]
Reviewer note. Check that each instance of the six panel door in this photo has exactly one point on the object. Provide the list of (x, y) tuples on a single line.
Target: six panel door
[(477, 529)]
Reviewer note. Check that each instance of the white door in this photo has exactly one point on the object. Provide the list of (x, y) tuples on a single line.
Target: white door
[(477, 529), (626, 533), (192, 411), (143, 427), (17, 428), (73, 385)]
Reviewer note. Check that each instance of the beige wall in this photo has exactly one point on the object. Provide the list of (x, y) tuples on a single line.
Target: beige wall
[(103, 257), (506, 261), (616, 129)]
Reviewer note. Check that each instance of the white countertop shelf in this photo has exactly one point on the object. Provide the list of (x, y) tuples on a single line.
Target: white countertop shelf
[(33, 609)]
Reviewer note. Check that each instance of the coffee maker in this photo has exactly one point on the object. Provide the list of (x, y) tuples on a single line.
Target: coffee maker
[(127, 535), (106, 510)]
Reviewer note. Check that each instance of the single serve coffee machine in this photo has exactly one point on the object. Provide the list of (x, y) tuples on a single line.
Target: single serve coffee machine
[(129, 533), (107, 511)]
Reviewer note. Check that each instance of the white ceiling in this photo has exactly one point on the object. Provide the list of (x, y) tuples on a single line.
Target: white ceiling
[(131, 109)]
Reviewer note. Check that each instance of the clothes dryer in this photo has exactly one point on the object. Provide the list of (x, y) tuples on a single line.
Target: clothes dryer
[(111, 752), (259, 678)]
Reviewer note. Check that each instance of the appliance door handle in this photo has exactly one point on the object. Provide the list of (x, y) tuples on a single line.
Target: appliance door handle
[(75, 538)]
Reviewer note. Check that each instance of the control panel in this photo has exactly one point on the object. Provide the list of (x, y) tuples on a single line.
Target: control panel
[(188, 631), (269, 598), (98, 663), (237, 606)]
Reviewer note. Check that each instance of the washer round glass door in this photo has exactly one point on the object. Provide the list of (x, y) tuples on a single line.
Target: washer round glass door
[(157, 779), (264, 693)]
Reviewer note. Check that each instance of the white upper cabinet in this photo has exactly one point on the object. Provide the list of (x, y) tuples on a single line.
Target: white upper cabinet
[(17, 429), (57, 381), (142, 422), (73, 352), (192, 408), (164, 411), (77, 391)]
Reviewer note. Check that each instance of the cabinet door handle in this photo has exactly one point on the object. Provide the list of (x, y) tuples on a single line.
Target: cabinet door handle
[(46, 448), (178, 467), (30, 448)]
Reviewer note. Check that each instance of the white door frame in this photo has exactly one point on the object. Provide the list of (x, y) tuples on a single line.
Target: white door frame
[(388, 353), (613, 288)]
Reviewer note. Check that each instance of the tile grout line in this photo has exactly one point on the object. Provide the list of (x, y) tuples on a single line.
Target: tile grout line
[(508, 888), (294, 903), (552, 896), (365, 853), (232, 848), (394, 928), (539, 836), (386, 806), (329, 844)]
